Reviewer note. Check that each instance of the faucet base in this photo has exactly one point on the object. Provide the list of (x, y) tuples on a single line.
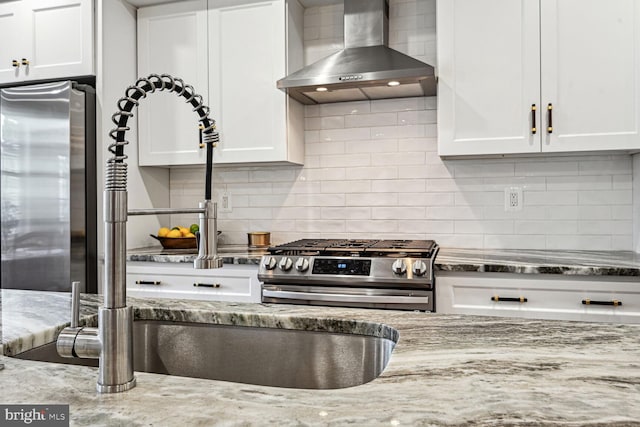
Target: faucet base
[(116, 388)]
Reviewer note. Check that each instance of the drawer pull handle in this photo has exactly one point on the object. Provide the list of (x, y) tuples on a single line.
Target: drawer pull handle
[(147, 282), (613, 302), (496, 298), (550, 118), (207, 285)]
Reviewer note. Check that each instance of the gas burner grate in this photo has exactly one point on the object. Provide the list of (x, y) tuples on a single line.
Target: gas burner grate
[(356, 247)]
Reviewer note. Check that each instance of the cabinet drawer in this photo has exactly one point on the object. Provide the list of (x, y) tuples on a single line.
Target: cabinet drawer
[(225, 284), (540, 296)]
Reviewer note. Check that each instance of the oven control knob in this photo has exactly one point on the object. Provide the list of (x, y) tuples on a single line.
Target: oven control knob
[(419, 268), (269, 262), (399, 267), (302, 265), (285, 264)]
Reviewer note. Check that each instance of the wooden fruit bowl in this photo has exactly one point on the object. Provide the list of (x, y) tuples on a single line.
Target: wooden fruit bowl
[(176, 242)]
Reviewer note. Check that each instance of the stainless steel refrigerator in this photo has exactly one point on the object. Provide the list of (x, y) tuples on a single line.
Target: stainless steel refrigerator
[(48, 186)]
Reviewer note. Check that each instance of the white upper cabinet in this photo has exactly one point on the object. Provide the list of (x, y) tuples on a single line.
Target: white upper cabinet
[(172, 39), (591, 74), (533, 76), (48, 39), (247, 55), (232, 52)]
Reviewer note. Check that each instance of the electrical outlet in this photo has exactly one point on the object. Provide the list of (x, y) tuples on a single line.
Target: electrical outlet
[(513, 199), (224, 202)]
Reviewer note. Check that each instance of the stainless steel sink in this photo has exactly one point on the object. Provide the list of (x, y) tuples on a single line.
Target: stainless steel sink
[(261, 356)]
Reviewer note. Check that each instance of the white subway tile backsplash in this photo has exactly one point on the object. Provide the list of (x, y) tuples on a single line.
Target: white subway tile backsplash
[(406, 158), (504, 241), (554, 198), (557, 183), (346, 134), (467, 169), (372, 226), (345, 108), (378, 146), (546, 168), (394, 213), (601, 243), (345, 160), (408, 131), (606, 167), (371, 170), (369, 120), (325, 147), (372, 199), (351, 212), (398, 186), (546, 227), (363, 186), (615, 197), (401, 104)]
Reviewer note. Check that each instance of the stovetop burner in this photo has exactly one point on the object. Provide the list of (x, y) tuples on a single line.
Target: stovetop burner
[(356, 247)]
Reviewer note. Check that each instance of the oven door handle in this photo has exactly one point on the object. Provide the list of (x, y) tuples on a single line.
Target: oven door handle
[(313, 296)]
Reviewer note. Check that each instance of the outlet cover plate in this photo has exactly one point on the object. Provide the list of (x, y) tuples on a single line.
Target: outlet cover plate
[(513, 199)]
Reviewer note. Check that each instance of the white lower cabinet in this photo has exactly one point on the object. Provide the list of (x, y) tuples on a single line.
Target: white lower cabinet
[(535, 296), (232, 282)]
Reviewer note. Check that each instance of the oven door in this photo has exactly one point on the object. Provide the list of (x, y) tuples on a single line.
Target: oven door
[(387, 298)]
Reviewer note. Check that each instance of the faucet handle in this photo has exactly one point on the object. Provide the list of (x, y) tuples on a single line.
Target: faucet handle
[(75, 304)]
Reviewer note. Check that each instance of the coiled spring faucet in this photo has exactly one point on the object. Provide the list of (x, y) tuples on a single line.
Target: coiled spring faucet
[(112, 341)]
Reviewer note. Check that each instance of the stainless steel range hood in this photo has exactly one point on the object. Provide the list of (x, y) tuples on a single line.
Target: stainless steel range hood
[(366, 68)]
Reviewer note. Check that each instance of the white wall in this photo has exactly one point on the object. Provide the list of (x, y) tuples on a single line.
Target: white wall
[(116, 69), (371, 171)]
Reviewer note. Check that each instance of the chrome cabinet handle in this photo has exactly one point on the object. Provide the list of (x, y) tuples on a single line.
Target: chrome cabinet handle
[(207, 285), (148, 282), (496, 298), (550, 118), (613, 302), (533, 119)]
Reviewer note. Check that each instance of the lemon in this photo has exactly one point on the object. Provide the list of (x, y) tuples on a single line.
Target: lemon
[(174, 233), (190, 235), (184, 231), (163, 232)]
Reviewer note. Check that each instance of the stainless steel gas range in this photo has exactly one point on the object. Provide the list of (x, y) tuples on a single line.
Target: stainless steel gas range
[(394, 274)]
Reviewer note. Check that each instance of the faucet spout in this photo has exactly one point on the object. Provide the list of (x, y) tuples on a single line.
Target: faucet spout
[(113, 340)]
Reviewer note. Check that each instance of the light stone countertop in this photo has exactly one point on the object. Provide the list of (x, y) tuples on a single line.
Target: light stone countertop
[(567, 262), (445, 370)]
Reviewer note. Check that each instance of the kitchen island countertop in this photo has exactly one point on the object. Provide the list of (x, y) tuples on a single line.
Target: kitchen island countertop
[(445, 370)]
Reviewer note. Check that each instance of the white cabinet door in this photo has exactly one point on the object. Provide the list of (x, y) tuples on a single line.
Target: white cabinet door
[(51, 39), (247, 55), (172, 39), (62, 38), (576, 61), (12, 22), (488, 76), (591, 74)]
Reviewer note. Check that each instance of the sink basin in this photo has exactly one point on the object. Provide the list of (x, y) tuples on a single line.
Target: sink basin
[(261, 356)]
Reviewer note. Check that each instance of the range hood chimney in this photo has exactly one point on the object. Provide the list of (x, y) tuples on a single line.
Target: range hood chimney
[(366, 68)]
